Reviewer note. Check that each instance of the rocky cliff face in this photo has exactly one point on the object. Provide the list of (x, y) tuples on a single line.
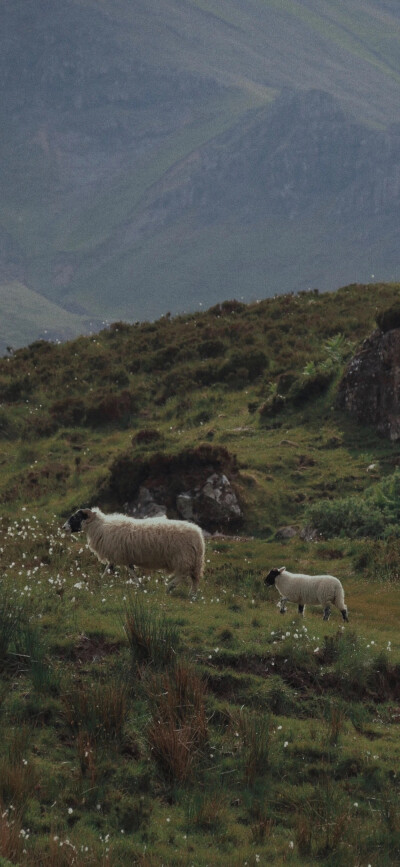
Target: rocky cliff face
[(370, 388)]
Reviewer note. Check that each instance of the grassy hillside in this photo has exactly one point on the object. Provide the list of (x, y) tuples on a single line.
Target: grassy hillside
[(140, 728), (24, 311)]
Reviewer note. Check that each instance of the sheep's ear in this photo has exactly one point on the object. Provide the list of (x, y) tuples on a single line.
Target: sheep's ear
[(85, 514), (281, 569)]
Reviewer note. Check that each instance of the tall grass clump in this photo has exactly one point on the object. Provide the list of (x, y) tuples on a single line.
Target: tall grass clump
[(12, 623), (11, 840), (321, 824), (97, 711), (33, 652), (22, 647), (18, 775), (351, 662), (178, 731), (153, 638), (253, 731)]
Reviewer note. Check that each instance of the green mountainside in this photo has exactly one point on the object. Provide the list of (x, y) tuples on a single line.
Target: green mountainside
[(161, 156), (144, 728)]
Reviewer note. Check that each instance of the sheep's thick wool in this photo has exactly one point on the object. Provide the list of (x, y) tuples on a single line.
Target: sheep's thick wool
[(150, 543)]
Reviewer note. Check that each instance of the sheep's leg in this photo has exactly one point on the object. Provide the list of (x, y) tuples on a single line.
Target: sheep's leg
[(282, 605), (301, 609), (345, 615), (175, 581), (179, 579), (195, 586), (327, 612), (110, 568)]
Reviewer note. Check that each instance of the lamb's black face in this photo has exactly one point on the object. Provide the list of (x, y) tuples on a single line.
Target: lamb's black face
[(270, 579), (74, 523)]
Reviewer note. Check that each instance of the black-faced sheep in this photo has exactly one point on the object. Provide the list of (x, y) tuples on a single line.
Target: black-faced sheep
[(308, 589), (150, 543)]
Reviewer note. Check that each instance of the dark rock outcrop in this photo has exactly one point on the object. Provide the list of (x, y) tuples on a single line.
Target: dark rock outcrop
[(213, 505), (370, 387), (195, 485)]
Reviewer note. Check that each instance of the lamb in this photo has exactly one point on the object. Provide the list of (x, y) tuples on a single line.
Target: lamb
[(151, 543), (310, 589)]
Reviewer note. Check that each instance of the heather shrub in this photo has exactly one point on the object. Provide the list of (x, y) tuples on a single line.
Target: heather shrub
[(15, 390), (8, 426), (69, 411), (109, 406)]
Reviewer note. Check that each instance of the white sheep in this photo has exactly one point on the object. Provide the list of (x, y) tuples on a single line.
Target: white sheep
[(151, 543), (307, 589)]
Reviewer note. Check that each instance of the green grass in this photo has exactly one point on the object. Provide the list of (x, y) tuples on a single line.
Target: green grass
[(144, 728), (98, 764)]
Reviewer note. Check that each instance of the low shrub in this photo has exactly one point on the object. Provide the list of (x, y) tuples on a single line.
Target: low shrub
[(351, 516), (377, 514)]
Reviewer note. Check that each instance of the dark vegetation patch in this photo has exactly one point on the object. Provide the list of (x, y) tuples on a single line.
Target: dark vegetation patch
[(167, 475), (339, 667), (88, 649)]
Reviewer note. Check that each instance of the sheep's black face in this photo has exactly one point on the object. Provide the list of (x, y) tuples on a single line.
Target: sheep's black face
[(74, 523), (270, 579)]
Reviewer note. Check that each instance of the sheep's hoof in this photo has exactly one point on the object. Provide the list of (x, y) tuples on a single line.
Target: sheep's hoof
[(282, 610)]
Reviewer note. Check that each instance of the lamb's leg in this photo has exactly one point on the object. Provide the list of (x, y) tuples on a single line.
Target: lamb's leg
[(110, 568), (345, 615), (282, 605), (327, 612), (301, 609)]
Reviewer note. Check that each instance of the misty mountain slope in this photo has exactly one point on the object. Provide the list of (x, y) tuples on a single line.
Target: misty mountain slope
[(116, 115), (315, 198)]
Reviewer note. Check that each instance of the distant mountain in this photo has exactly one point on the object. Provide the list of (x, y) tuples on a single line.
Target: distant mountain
[(164, 155)]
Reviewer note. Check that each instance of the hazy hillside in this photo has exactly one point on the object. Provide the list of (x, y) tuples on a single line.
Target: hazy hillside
[(158, 156)]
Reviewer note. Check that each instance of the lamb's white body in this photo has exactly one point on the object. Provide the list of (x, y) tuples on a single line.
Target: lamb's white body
[(308, 590), (150, 543)]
